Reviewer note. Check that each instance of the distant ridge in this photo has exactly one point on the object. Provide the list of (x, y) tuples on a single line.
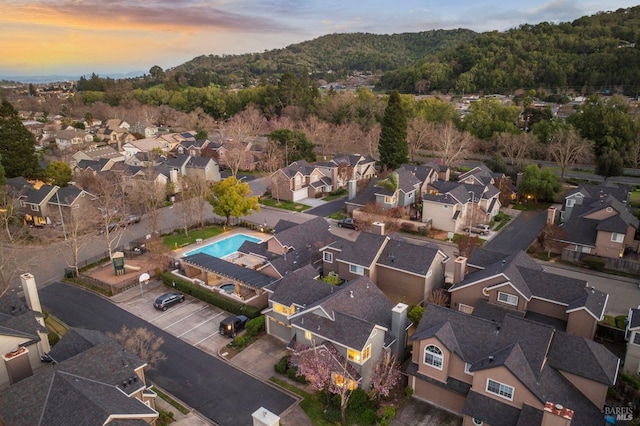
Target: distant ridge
[(62, 77)]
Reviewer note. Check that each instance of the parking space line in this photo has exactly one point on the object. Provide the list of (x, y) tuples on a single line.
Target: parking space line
[(182, 305), (185, 317), (211, 335), (198, 325)]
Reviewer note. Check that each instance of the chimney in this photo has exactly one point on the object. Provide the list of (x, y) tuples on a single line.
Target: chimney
[(518, 179), (33, 302), (17, 364), (31, 292), (551, 215), (398, 330), (556, 415), (352, 186), (377, 228), (459, 269)]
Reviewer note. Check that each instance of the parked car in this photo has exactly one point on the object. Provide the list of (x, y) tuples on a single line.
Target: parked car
[(232, 325), (167, 300), (130, 220), (111, 227), (347, 223), (478, 229)]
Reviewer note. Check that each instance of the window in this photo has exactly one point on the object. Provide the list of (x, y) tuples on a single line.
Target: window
[(467, 366), (359, 357), (308, 335), (571, 202), (636, 338), (433, 356), (341, 381), (389, 200), (35, 208), (327, 256), (499, 389), (355, 269), (467, 309), (507, 298), (617, 238), (281, 309)]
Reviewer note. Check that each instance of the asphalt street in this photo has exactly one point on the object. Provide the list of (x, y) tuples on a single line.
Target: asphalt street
[(519, 233), (210, 386)]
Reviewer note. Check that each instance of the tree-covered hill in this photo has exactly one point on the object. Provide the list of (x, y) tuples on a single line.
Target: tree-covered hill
[(592, 53), (331, 56)]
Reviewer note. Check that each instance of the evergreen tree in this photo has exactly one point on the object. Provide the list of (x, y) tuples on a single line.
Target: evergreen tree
[(17, 145), (392, 144)]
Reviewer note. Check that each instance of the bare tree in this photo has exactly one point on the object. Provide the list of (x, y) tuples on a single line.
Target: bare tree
[(235, 155), (110, 195), (142, 342), (567, 148), (515, 147), (438, 296), (467, 243), (75, 223), (450, 143), (317, 131), (417, 135), (147, 194), (272, 157), (193, 198), (551, 238)]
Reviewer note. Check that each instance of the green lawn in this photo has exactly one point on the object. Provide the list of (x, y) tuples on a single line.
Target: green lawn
[(285, 205), (634, 199), (531, 206), (310, 404), (180, 240)]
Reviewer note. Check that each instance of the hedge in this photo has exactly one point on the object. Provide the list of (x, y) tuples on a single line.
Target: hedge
[(209, 296)]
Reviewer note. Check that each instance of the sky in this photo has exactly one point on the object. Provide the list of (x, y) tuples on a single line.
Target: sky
[(78, 37)]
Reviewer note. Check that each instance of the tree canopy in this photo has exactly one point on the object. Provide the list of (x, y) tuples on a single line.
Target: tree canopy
[(541, 184), (231, 197), (392, 144), (294, 145), (17, 145)]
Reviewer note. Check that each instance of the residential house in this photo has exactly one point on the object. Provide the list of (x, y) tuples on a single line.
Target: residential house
[(97, 153), (90, 379), (403, 196), (518, 283), (148, 145), (428, 174), (242, 155), (65, 139), (298, 181), (405, 272), (94, 166), (23, 336), (35, 206), (452, 206), (70, 198), (509, 371), (597, 221), (632, 335), (145, 131), (116, 123), (191, 147), (355, 322), (343, 168)]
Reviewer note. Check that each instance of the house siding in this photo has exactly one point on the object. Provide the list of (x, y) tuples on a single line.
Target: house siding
[(547, 308), (507, 289), (441, 216), (521, 395), (581, 323), (427, 370), (436, 395), (632, 357), (607, 248), (596, 392)]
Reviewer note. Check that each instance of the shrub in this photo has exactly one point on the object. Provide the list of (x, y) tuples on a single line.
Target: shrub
[(594, 263), (358, 401), (415, 313), (367, 417), (408, 392), (255, 326), (242, 340), (332, 415), (53, 338), (632, 380), (209, 296), (292, 373), (282, 365), (388, 414), (621, 322)]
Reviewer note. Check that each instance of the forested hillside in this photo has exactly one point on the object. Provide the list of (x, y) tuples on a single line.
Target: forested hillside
[(331, 56), (594, 53)]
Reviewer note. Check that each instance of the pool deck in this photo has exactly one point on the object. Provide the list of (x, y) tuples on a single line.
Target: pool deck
[(179, 253)]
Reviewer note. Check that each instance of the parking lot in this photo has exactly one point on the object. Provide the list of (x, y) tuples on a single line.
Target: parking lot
[(192, 321)]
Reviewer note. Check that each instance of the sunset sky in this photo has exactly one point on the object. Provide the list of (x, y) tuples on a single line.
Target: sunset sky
[(77, 37)]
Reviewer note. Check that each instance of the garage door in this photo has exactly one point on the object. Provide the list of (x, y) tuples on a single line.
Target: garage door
[(279, 329)]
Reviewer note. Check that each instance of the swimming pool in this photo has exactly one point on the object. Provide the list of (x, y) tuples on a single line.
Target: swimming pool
[(224, 247)]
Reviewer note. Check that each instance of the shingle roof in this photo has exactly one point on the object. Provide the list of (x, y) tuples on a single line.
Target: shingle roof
[(300, 288), (489, 410), (408, 257), (222, 267), (39, 195), (534, 353), (16, 319), (363, 250)]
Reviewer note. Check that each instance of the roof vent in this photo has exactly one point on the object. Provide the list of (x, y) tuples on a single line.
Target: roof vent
[(124, 384), (351, 294), (318, 327), (559, 407), (490, 358)]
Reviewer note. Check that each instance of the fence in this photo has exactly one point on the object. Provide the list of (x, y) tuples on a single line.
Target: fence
[(621, 264)]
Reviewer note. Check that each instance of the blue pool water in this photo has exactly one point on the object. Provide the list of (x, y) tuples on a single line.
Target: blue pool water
[(224, 247)]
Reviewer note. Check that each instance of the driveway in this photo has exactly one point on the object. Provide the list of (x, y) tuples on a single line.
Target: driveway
[(519, 233), (209, 385)]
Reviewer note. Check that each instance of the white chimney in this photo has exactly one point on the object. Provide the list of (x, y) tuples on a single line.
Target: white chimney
[(352, 187), (31, 292), (398, 330)]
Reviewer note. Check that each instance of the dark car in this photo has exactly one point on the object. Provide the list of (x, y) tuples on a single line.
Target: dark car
[(347, 223), (232, 325), (130, 220), (168, 299), (111, 227)]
